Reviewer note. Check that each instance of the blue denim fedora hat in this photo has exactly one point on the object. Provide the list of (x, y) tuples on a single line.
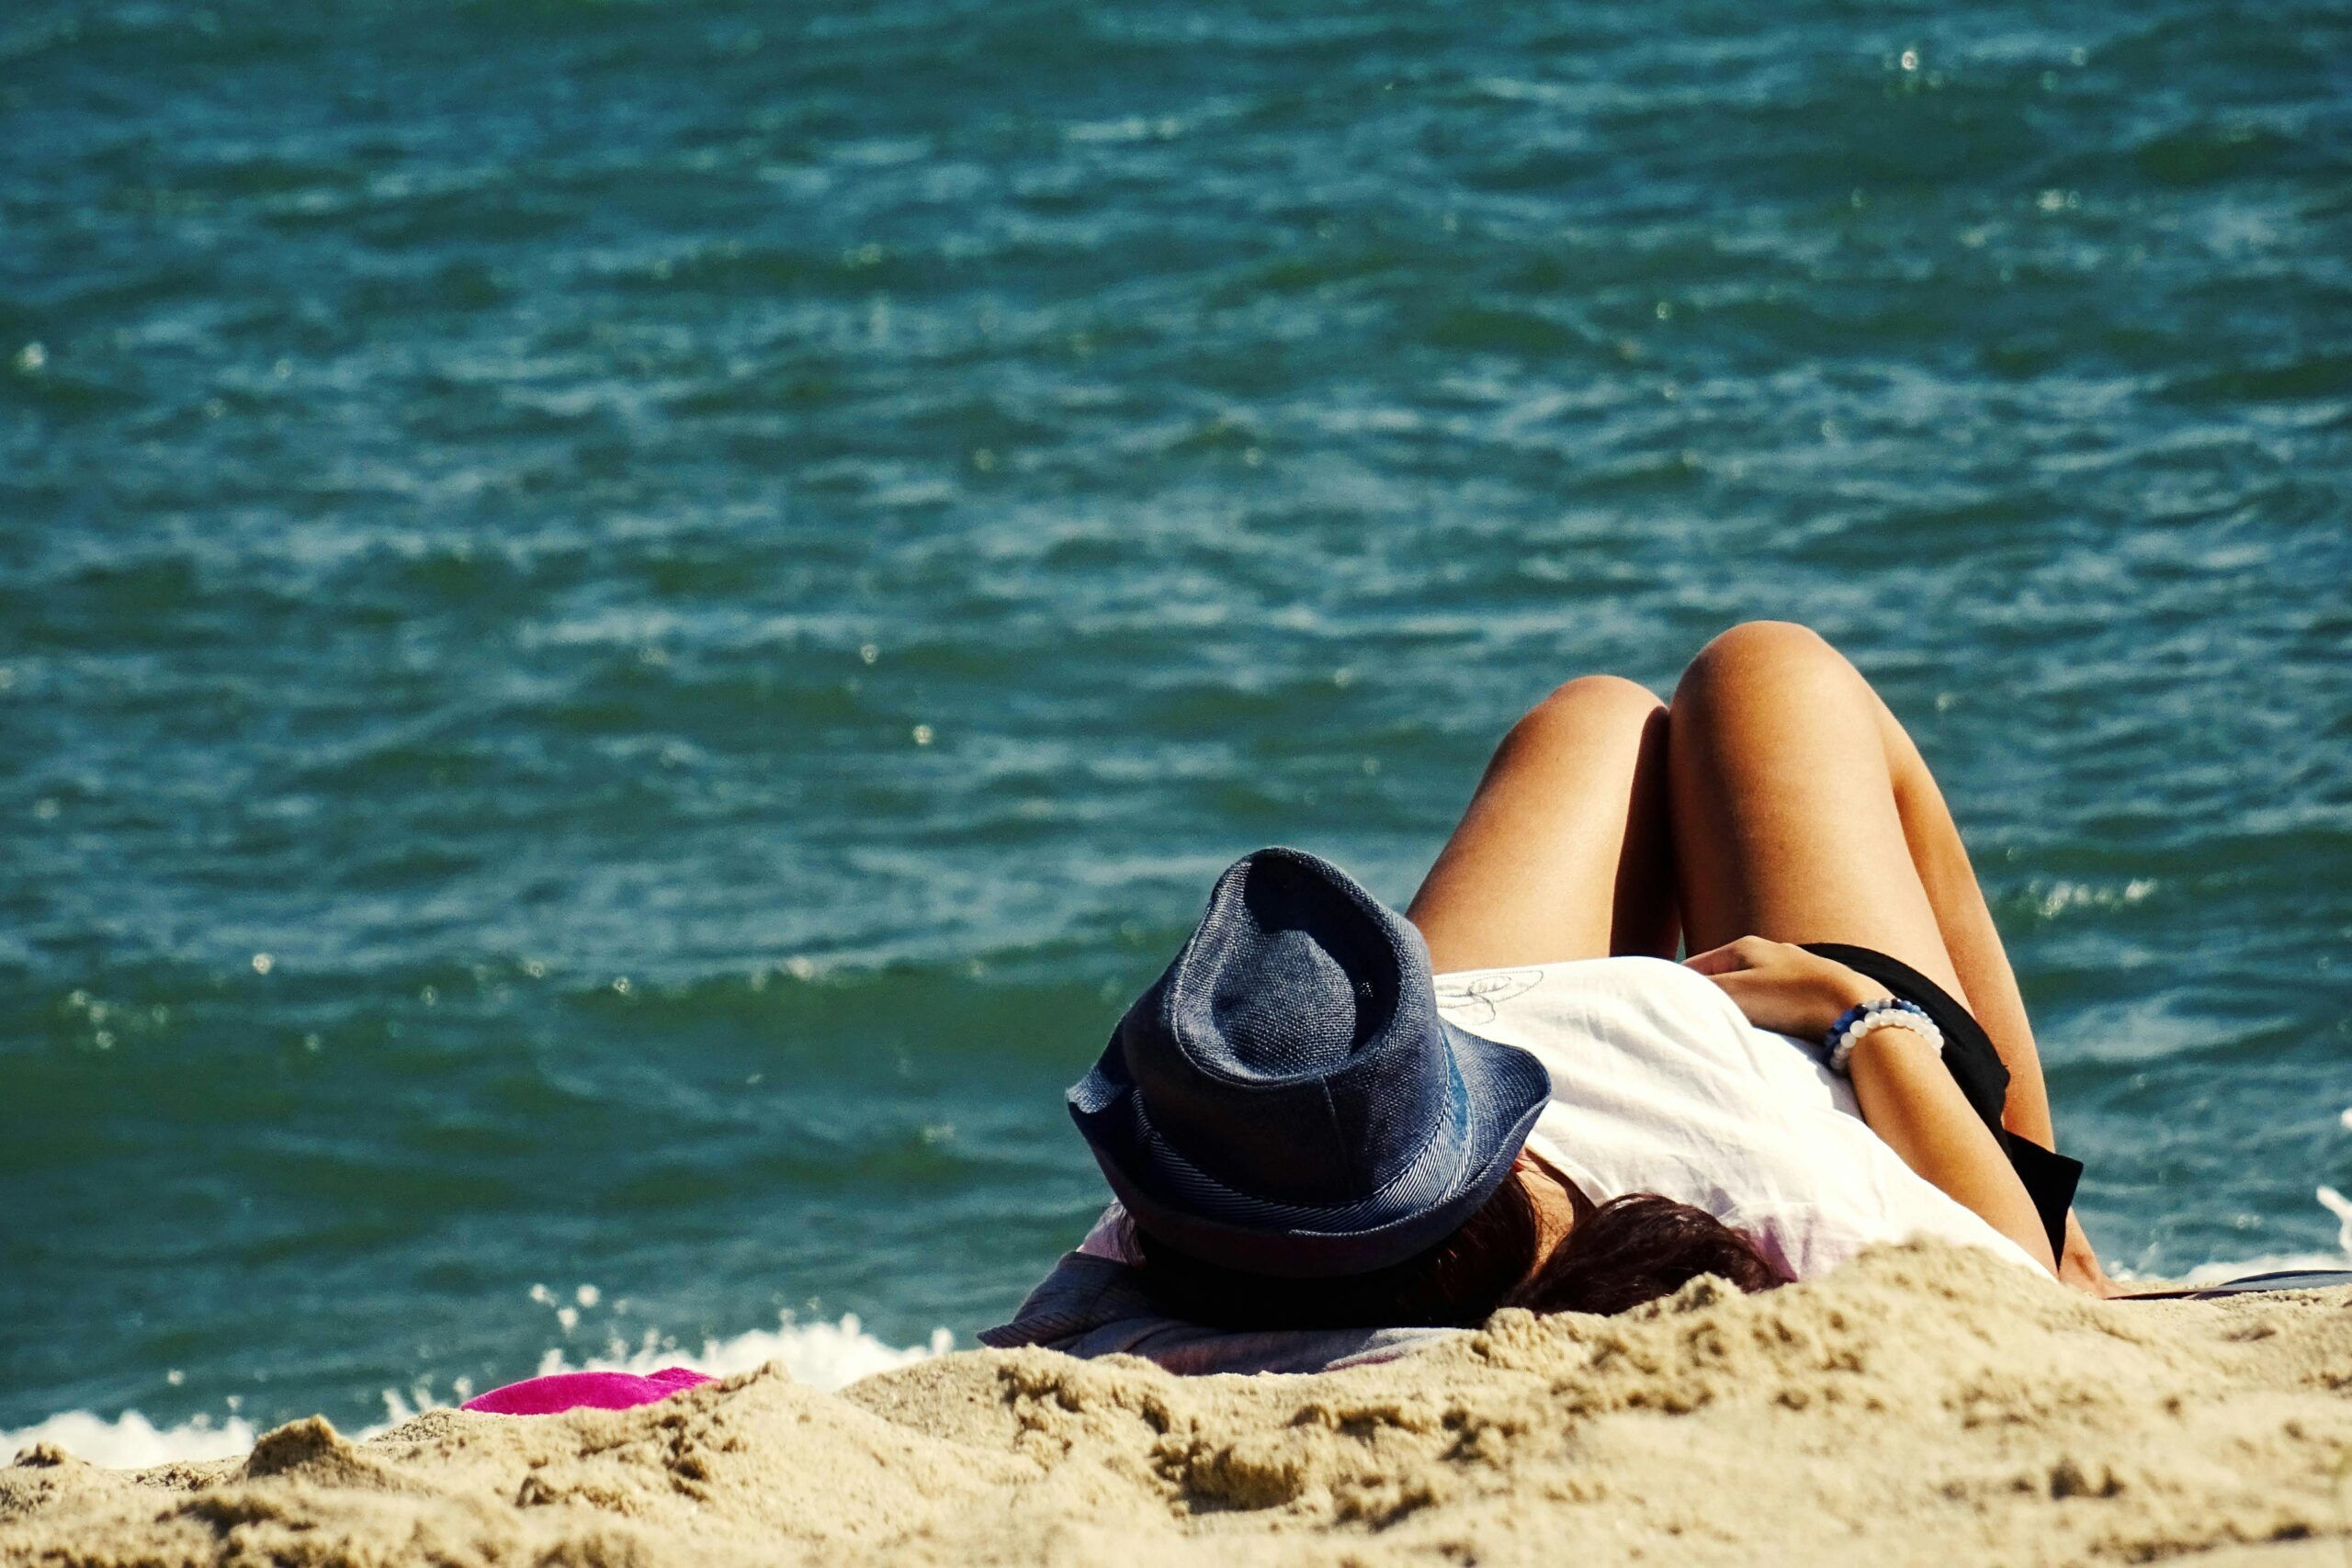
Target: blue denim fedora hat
[(1285, 1100)]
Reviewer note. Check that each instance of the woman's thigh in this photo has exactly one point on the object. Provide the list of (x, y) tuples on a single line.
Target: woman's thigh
[(1785, 817), (1563, 851)]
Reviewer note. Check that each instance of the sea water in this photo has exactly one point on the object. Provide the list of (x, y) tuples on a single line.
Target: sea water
[(624, 627)]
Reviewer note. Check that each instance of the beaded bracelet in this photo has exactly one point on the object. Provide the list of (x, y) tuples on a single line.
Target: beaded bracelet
[(1890, 1013)]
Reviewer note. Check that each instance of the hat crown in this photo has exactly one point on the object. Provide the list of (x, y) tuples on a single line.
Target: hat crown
[(1291, 1050)]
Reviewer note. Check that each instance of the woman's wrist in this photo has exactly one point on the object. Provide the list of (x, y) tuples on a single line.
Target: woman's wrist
[(1848, 991)]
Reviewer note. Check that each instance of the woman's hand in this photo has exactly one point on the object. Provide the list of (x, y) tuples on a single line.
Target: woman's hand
[(1782, 987)]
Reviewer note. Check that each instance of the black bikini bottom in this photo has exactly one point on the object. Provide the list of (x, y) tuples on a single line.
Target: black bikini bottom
[(2049, 1179)]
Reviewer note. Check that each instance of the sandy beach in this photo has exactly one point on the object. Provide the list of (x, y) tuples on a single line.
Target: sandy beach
[(1923, 1406)]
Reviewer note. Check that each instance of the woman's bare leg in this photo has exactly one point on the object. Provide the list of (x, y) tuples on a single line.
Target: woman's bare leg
[(1784, 805), (1804, 812), (1564, 852), (1966, 925)]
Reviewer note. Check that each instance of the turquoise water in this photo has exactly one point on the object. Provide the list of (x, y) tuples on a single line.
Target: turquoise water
[(623, 628)]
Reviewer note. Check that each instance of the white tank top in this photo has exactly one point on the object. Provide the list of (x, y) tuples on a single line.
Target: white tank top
[(1660, 1085)]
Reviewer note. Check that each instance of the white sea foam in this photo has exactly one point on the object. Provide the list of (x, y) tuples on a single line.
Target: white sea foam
[(2221, 1274), (2335, 1202), (130, 1441), (821, 1354)]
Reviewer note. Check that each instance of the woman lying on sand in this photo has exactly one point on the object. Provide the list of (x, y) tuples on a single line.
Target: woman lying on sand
[(1322, 1116)]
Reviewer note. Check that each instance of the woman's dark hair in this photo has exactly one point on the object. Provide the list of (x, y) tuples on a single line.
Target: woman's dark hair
[(1639, 1248), (1630, 1250)]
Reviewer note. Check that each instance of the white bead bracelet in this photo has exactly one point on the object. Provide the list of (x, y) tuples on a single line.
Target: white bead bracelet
[(1892, 1012)]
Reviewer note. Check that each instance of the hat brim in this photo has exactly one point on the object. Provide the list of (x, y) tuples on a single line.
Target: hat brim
[(1498, 1091)]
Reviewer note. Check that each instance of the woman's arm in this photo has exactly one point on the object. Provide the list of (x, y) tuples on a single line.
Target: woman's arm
[(1908, 1095), (1910, 1098)]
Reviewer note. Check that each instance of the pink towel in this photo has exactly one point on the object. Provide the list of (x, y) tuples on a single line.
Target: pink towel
[(583, 1391)]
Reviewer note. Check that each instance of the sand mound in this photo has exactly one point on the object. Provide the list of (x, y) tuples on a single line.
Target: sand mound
[(1922, 1405)]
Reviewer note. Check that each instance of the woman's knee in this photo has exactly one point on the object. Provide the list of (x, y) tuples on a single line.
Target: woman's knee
[(1586, 706), (1782, 656)]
